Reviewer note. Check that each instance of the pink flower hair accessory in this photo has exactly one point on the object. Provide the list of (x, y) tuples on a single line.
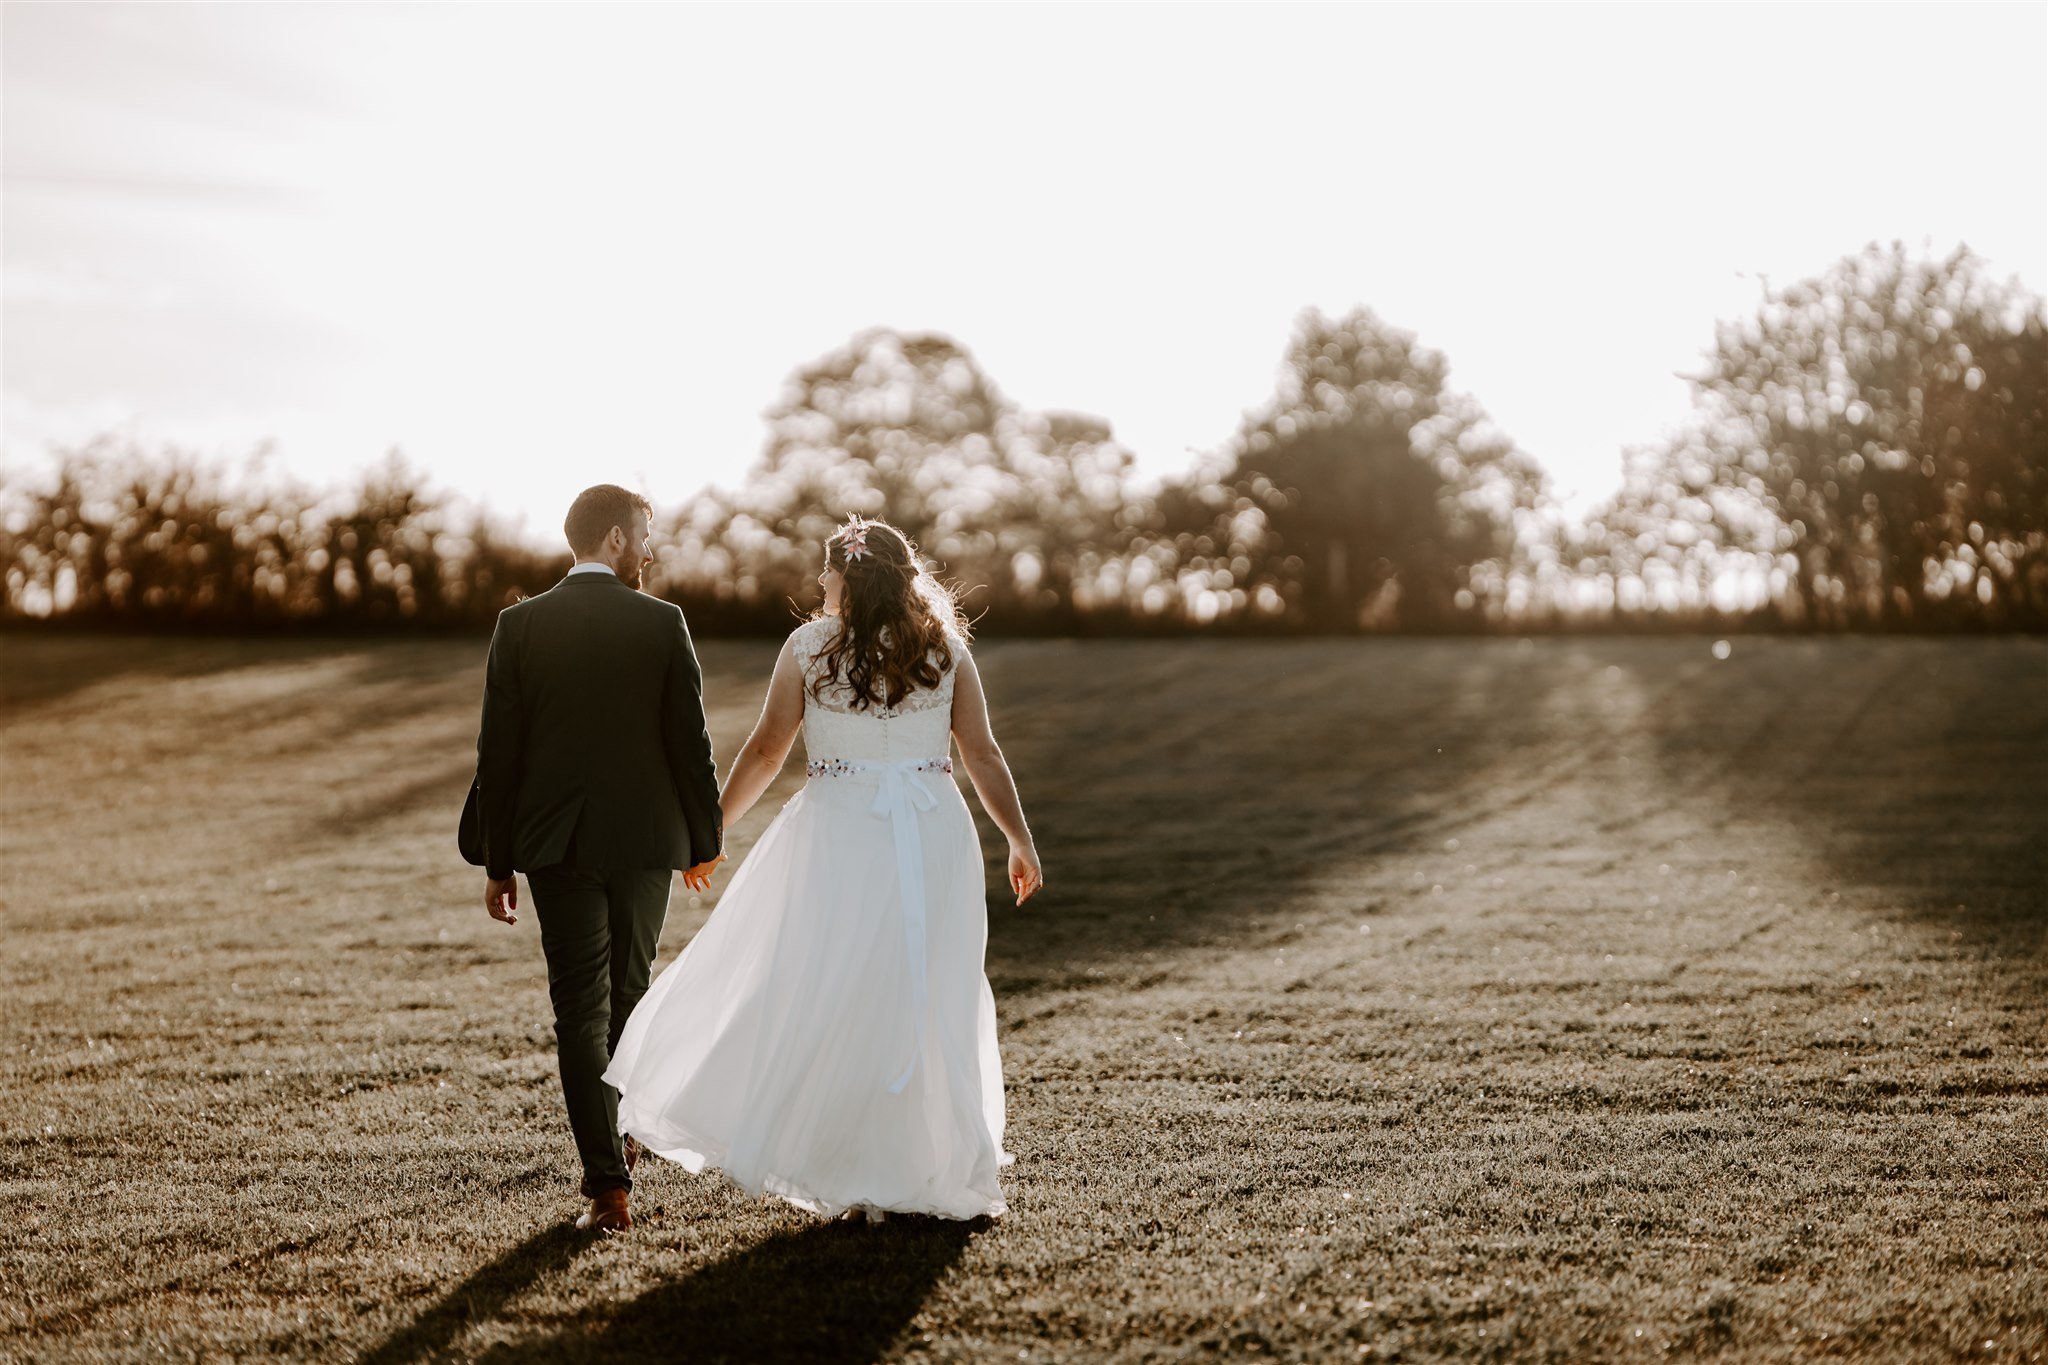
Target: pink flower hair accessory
[(854, 540)]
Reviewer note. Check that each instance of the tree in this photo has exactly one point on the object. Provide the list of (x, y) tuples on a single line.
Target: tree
[(1366, 493), (909, 428), (1894, 416), (1673, 542), (128, 536)]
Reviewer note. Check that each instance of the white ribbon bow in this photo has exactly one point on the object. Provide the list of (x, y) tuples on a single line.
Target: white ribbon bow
[(901, 794)]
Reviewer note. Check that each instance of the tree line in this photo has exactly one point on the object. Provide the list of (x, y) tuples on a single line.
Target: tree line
[(1868, 450)]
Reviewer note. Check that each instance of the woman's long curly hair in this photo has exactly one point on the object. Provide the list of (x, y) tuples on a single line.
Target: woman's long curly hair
[(898, 622)]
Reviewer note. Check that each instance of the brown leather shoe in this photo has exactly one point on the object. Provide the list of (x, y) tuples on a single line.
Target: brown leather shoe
[(607, 1213), (632, 1146)]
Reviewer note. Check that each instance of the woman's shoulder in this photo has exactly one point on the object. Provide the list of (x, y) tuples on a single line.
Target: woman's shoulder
[(809, 639), (955, 642), (815, 630), (955, 633)]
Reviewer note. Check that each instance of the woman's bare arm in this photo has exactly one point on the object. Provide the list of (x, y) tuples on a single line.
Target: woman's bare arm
[(760, 758), (990, 774)]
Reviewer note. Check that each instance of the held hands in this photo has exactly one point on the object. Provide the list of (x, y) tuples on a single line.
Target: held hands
[(698, 878), (1026, 878), (501, 898)]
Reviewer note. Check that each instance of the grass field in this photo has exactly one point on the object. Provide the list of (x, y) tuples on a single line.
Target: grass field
[(1402, 999)]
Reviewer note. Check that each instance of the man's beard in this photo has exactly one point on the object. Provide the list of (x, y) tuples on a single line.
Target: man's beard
[(629, 574)]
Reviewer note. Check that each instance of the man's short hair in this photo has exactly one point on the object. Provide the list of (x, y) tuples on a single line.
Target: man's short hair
[(596, 510)]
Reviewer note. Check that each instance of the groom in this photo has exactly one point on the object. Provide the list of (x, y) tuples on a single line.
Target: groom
[(594, 777)]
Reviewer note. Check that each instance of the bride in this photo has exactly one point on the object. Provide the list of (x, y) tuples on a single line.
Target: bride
[(829, 1035)]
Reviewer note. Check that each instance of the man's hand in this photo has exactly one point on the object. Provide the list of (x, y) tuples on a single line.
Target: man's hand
[(698, 878), (501, 898)]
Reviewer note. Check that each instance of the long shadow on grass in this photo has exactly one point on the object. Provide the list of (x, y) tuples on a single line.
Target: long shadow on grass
[(481, 1297), (48, 668), (825, 1292), (384, 679), (1914, 767), (1183, 790)]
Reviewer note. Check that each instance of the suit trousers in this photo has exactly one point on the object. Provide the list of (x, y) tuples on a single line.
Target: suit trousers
[(598, 930)]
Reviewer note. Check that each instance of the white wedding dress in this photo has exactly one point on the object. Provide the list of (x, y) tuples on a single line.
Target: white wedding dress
[(829, 1036)]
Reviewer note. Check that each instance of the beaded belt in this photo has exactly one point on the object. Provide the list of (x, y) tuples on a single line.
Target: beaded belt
[(900, 796), (841, 767)]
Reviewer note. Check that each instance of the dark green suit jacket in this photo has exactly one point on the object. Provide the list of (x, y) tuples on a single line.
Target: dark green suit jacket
[(594, 748)]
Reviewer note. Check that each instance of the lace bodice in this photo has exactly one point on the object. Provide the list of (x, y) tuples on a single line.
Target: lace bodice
[(920, 726)]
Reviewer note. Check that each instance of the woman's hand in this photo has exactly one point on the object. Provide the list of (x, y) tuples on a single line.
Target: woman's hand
[(1025, 875), (698, 878)]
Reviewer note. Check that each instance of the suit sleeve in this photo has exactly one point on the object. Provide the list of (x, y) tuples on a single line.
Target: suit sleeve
[(498, 757), (687, 736)]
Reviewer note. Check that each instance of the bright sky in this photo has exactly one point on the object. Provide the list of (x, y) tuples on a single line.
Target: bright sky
[(543, 247)]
